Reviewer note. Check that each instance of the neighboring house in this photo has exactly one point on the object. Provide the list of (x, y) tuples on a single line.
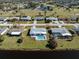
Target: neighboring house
[(3, 31), (21, 6), (2, 20), (44, 7), (52, 18), (38, 33), (76, 29), (25, 18), (61, 33), (6, 8), (67, 2), (15, 32), (16, 17), (39, 18), (74, 18)]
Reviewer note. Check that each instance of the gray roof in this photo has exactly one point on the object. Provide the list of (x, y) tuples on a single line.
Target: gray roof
[(26, 17), (38, 18), (76, 29), (2, 18), (2, 30), (74, 17), (62, 31), (52, 18)]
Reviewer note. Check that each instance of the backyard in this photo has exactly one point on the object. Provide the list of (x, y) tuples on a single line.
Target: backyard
[(10, 42)]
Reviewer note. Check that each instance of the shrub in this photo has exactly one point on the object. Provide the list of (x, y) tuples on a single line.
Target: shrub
[(1, 38), (52, 44), (20, 40)]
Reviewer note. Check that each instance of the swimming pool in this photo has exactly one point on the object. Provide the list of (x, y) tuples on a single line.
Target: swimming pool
[(40, 37)]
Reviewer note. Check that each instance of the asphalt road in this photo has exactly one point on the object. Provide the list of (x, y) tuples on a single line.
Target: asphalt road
[(61, 54), (39, 24)]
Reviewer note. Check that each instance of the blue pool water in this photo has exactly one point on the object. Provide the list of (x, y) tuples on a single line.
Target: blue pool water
[(40, 37)]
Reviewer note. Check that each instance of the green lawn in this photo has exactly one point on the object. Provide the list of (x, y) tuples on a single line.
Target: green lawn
[(30, 43), (41, 22), (57, 11), (69, 27), (62, 44), (23, 22)]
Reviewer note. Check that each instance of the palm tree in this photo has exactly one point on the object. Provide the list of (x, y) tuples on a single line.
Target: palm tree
[(52, 43)]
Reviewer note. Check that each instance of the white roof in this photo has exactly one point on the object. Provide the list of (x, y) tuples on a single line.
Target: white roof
[(15, 33), (26, 17), (38, 31), (14, 17), (52, 18), (66, 34)]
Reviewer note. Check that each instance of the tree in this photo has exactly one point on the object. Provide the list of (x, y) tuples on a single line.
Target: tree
[(13, 20), (32, 4), (67, 8), (42, 5), (52, 43), (77, 20), (1, 38), (20, 40)]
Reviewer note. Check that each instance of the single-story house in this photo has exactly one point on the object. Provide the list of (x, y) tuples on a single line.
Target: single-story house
[(25, 18), (16, 17), (3, 31), (15, 32), (61, 32), (2, 19), (39, 18), (38, 33), (52, 18), (76, 29), (44, 7), (74, 18), (63, 19)]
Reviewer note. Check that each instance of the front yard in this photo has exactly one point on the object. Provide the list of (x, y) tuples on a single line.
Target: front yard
[(41, 22), (23, 22), (28, 42)]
